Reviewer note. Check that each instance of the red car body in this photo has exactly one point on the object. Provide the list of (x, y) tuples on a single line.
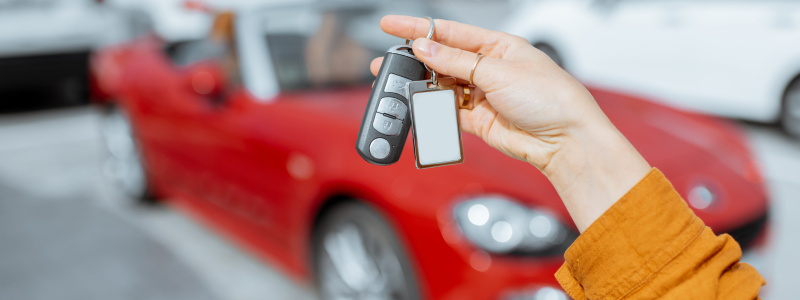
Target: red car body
[(263, 172)]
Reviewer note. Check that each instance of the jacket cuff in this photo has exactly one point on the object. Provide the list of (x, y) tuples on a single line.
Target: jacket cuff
[(635, 238)]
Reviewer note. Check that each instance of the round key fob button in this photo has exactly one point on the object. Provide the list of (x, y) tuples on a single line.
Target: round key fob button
[(379, 148)]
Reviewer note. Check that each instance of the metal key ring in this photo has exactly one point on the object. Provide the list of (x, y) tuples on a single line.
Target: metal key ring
[(430, 31), (430, 35)]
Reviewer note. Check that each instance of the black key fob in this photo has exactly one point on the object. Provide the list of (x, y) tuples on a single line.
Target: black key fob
[(386, 121)]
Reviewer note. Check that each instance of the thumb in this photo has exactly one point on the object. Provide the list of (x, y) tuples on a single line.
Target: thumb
[(456, 62)]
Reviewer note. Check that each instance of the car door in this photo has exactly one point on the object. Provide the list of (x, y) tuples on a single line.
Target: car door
[(212, 143), (291, 60), (165, 113)]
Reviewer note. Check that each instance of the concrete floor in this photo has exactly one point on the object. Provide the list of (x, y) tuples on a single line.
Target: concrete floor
[(66, 233)]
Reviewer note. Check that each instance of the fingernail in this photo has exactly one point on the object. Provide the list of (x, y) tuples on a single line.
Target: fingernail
[(426, 47)]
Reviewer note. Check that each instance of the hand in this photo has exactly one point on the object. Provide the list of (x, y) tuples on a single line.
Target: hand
[(530, 109)]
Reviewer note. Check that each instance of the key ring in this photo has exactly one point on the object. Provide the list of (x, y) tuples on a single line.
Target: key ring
[(433, 77), (430, 31), (430, 35)]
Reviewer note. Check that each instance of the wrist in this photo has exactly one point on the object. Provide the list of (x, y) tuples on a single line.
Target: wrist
[(595, 167)]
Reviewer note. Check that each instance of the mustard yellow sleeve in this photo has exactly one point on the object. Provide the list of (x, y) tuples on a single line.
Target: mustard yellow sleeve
[(650, 245)]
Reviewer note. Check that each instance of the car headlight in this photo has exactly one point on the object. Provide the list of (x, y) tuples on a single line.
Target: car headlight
[(537, 293), (701, 196), (499, 225)]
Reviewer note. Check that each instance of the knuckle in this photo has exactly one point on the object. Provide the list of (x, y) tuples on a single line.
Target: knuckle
[(455, 56), (515, 39), (454, 59), (420, 28), (415, 30), (447, 31)]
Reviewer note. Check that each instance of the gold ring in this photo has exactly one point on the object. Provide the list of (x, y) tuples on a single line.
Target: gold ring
[(473, 68), (467, 97)]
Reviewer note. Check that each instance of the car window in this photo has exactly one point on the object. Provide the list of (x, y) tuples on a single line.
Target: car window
[(317, 49), (187, 52), (288, 59)]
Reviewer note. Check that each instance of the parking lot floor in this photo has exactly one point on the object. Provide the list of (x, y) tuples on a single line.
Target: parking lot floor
[(67, 233)]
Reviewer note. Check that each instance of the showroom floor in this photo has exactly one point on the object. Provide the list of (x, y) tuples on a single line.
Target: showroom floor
[(68, 234)]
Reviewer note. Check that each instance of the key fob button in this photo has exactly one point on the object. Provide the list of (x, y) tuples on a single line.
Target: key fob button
[(386, 125), (393, 107), (379, 148), (397, 84)]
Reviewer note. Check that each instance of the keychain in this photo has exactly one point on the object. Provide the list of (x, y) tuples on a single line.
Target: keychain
[(401, 100), (435, 123)]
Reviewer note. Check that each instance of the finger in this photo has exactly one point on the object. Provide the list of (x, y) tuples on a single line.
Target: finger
[(465, 118), (375, 66), (473, 99), (479, 120), (453, 34), (459, 63), (464, 100), (447, 82)]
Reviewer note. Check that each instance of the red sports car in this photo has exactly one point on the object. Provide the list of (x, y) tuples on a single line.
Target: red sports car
[(252, 131)]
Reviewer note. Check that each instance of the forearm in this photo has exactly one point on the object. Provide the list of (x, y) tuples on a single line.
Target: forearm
[(594, 168)]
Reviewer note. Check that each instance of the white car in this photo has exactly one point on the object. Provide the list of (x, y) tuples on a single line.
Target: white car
[(739, 59), (178, 21), (45, 44)]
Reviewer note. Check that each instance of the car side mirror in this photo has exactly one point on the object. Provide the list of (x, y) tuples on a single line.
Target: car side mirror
[(206, 78)]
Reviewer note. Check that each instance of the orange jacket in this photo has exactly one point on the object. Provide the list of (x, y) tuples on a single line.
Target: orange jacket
[(650, 245)]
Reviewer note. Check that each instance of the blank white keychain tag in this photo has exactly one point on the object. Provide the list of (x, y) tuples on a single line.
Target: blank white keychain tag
[(435, 124)]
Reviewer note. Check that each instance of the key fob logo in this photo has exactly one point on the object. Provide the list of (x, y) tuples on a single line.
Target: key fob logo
[(398, 84)]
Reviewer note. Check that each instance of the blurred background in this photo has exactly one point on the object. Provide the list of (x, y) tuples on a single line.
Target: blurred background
[(68, 227)]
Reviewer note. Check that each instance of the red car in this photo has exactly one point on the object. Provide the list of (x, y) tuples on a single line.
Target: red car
[(253, 132)]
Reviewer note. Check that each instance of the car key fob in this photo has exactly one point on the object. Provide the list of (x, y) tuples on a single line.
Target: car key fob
[(386, 121)]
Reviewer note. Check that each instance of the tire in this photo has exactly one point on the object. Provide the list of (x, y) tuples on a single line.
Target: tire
[(790, 115), (551, 52), (123, 164), (357, 255)]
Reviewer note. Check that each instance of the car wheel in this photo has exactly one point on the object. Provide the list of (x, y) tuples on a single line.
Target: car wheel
[(358, 256), (123, 163), (551, 52), (790, 118)]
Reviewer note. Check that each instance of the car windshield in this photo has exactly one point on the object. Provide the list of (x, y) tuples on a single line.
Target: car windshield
[(317, 49)]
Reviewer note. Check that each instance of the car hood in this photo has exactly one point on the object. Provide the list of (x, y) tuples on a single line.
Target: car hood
[(672, 139), (693, 150)]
